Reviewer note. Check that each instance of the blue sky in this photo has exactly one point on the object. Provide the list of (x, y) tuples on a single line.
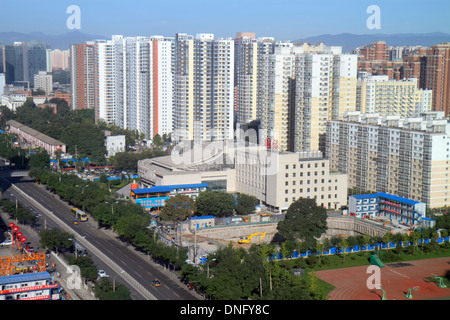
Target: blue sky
[(282, 19)]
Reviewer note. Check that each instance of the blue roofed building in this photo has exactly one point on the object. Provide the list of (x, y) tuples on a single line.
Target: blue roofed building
[(153, 199), (396, 209), (29, 286)]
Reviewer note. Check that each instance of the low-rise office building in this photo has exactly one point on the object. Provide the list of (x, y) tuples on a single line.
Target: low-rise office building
[(29, 286), (154, 198), (275, 178), (396, 209)]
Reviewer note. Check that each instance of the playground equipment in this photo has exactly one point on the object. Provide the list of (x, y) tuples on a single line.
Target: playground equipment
[(249, 238), (410, 290), (379, 287), (439, 281), (375, 260)]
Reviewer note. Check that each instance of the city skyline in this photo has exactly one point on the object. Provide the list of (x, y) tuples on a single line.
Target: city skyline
[(283, 20)]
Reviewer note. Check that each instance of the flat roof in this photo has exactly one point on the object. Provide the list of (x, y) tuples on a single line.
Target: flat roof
[(387, 196), (25, 277), (169, 188), (202, 218)]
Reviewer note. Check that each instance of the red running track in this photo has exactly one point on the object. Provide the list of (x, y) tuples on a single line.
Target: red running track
[(351, 283)]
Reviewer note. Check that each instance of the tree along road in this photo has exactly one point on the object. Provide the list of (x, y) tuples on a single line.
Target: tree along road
[(122, 263)]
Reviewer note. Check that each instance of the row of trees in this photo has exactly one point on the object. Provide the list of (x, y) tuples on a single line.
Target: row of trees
[(129, 220), (235, 274)]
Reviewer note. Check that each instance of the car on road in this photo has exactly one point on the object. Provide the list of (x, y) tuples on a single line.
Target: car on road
[(76, 221), (156, 283), (101, 274)]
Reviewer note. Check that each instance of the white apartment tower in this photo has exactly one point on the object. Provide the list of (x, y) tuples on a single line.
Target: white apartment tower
[(203, 88), (135, 83), (276, 74), (248, 55), (325, 88), (301, 87)]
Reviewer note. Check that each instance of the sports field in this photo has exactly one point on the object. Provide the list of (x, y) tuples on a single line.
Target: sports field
[(396, 280)]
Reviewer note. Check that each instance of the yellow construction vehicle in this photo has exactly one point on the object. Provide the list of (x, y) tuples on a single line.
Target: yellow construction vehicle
[(249, 238)]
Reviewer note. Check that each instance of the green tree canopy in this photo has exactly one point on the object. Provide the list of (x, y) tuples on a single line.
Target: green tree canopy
[(55, 239), (216, 203), (246, 204), (178, 208), (304, 221)]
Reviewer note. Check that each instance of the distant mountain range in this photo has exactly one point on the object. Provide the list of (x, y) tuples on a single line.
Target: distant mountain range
[(62, 41), (348, 41)]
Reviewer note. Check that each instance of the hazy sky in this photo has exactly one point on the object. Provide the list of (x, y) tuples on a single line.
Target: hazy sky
[(282, 19)]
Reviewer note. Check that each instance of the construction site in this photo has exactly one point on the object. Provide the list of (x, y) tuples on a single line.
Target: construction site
[(211, 234)]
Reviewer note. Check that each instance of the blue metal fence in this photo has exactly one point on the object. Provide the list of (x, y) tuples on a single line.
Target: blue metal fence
[(368, 247)]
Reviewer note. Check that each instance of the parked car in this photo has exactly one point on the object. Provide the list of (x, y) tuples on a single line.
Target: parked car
[(101, 274)]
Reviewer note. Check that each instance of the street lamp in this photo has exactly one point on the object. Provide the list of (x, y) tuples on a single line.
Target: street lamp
[(112, 206), (207, 267), (114, 280)]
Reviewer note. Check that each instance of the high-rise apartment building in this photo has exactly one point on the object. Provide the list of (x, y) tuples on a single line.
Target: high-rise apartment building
[(60, 59), (105, 109), (275, 86), (203, 88), (84, 76), (437, 76), (379, 94), (408, 157), (248, 58), (130, 79), (300, 88)]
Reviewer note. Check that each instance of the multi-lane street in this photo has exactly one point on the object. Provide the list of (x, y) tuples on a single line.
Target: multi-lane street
[(121, 262)]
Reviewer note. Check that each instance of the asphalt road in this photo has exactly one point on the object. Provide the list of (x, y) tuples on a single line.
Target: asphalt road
[(133, 263)]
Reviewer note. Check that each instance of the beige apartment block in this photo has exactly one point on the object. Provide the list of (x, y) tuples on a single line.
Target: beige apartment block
[(379, 94), (407, 157)]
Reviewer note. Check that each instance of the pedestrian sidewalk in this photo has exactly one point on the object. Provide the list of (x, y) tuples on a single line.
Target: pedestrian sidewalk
[(69, 280)]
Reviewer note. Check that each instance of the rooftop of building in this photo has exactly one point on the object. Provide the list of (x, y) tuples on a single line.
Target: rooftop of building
[(34, 133), (430, 122), (387, 196), (25, 277), (169, 188)]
